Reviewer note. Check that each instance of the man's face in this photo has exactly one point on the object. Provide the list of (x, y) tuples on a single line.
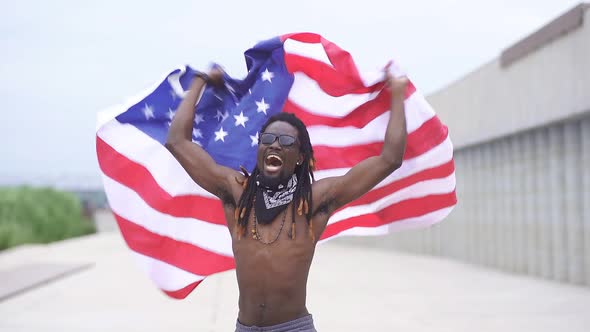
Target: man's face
[(277, 161)]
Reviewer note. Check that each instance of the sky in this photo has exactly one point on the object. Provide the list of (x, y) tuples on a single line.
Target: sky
[(63, 61)]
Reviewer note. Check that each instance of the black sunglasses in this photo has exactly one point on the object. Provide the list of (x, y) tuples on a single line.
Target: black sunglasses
[(284, 140)]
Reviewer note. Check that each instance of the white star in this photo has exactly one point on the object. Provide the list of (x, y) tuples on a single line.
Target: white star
[(267, 75), (241, 120), (262, 106), (197, 142), (220, 135), (169, 123), (171, 113), (254, 139), (221, 116), (249, 91), (197, 133), (148, 111), (218, 97), (199, 118)]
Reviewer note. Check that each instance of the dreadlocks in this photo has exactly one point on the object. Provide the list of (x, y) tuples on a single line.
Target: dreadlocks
[(302, 195)]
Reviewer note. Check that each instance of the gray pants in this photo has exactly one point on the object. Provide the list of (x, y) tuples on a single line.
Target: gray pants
[(303, 324)]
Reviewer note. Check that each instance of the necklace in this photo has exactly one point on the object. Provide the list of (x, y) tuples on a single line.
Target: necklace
[(255, 233)]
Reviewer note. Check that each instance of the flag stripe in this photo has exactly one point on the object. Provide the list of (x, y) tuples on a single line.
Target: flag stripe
[(419, 189), (182, 293), (136, 176), (430, 135), (180, 254), (167, 277), (339, 58), (404, 209), (128, 204), (416, 116)]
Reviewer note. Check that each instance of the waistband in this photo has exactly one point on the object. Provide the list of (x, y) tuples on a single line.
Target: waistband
[(303, 324)]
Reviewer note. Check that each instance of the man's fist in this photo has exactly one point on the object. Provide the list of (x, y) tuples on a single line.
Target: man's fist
[(216, 76), (397, 85)]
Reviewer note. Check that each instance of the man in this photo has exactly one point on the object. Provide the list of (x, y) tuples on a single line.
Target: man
[(277, 214)]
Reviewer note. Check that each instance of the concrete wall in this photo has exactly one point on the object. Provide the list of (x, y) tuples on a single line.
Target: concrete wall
[(524, 206), (547, 85), (522, 151)]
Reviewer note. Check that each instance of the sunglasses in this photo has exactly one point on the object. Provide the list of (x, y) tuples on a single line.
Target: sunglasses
[(284, 140)]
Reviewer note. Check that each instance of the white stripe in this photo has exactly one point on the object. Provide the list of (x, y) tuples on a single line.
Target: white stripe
[(306, 93), (129, 205), (167, 277), (436, 156), (396, 226), (417, 190), (309, 50), (417, 113), (317, 52), (141, 148)]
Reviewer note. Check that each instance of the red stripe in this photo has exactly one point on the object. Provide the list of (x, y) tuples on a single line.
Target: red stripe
[(333, 82), (429, 135), (186, 256), (358, 118), (183, 292), (405, 209), (340, 59), (437, 172), (138, 178)]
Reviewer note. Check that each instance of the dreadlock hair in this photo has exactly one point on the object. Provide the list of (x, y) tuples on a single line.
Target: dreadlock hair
[(302, 195)]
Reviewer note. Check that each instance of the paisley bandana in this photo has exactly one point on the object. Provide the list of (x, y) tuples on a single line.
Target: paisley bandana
[(272, 201)]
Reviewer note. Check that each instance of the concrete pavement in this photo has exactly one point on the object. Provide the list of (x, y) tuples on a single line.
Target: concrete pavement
[(350, 289)]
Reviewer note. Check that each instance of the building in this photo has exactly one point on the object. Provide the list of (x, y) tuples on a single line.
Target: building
[(520, 125)]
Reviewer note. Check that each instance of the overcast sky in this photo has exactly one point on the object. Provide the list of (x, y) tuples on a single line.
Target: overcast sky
[(63, 61)]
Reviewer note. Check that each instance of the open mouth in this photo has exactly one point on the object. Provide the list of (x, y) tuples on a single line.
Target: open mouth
[(273, 163)]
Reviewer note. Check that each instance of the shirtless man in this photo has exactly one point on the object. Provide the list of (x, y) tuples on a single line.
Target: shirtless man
[(277, 214)]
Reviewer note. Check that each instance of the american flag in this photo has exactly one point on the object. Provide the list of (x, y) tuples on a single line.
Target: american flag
[(178, 231)]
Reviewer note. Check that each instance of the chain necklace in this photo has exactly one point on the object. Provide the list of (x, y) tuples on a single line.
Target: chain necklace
[(255, 233)]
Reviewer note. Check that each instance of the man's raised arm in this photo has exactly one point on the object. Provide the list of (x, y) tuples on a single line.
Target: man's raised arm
[(212, 177), (337, 191)]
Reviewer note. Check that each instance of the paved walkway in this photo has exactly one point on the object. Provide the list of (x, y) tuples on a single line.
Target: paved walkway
[(350, 289)]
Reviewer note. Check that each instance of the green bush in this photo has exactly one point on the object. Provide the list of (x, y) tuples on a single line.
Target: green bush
[(40, 215)]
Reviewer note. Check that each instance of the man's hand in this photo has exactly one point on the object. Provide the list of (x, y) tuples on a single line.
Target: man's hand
[(216, 76), (397, 85)]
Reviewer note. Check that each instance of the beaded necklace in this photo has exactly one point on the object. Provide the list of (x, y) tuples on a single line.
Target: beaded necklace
[(256, 234)]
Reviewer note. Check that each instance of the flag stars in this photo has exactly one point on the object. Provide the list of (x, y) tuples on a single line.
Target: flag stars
[(221, 116), (199, 118), (267, 75), (241, 119), (254, 139), (262, 106), (197, 133), (171, 113), (220, 135), (148, 111)]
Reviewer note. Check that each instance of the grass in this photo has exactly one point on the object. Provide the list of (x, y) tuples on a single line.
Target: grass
[(40, 215)]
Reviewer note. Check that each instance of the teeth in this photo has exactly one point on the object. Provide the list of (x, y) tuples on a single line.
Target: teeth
[(274, 156)]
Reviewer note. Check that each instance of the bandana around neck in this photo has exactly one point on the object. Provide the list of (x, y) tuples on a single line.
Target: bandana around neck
[(272, 201)]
